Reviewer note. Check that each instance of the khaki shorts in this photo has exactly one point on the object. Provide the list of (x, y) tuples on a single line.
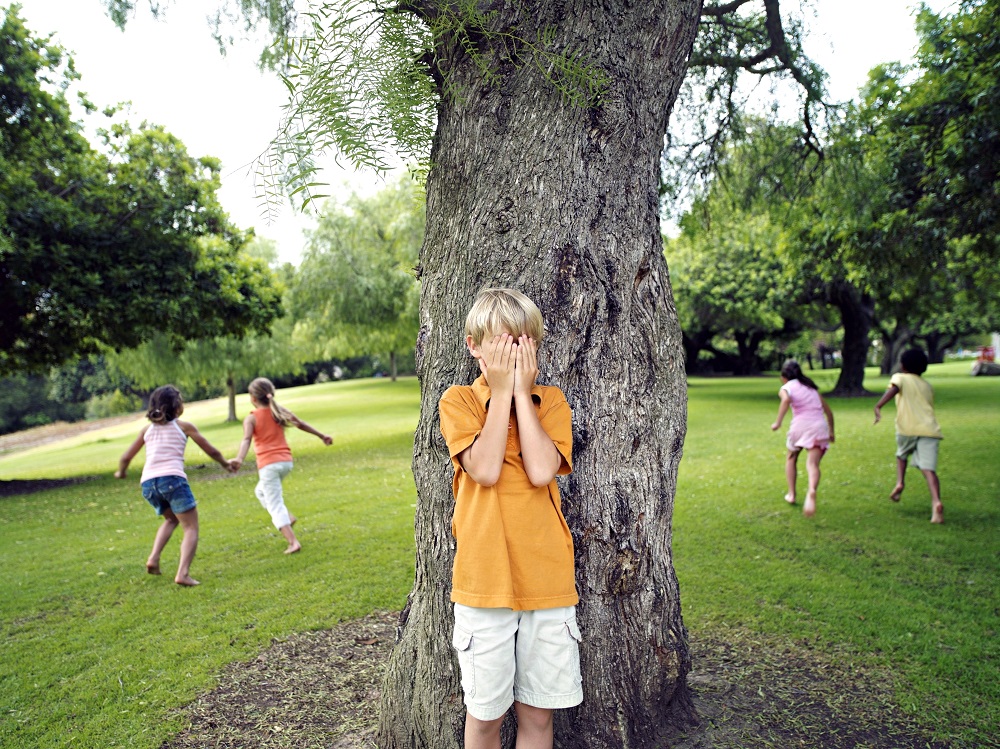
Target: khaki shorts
[(532, 657), (923, 449)]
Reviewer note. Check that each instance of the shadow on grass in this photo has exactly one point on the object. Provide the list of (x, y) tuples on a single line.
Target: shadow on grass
[(17, 487)]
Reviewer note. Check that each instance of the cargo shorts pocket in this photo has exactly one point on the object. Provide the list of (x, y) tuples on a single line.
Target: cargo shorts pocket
[(463, 644)]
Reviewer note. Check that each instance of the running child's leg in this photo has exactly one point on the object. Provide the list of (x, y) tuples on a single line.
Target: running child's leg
[(534, 727), (897, 491), (937, 509), (791, 471), (482, 734), (293, 542), (812, 470), (189, 545), (163, 534)]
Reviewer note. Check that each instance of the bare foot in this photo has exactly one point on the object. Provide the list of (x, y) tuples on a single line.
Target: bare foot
[(937, 513), (292, 548), (186, 581), (896, 493), (809, 508), (790, 498), (153, 568)]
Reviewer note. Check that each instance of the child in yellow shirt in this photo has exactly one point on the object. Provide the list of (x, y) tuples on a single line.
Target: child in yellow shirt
[(917, 430), (513, 582)]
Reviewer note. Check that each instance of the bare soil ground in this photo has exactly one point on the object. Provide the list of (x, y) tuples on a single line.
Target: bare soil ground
[(321, 689)]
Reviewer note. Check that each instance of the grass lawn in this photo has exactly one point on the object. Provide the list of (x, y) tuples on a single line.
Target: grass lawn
[(865, 578), (97, 653)]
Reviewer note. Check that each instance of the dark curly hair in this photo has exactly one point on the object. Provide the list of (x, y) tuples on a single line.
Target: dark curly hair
[(914, 360), (165, 404)]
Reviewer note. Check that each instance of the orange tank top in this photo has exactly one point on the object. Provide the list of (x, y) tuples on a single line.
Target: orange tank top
[(269, 440)]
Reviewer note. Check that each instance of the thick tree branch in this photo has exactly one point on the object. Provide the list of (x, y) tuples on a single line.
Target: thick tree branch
[(717, 11)]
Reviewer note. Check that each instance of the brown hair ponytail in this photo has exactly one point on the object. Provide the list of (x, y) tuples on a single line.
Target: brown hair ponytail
[(262, 391)]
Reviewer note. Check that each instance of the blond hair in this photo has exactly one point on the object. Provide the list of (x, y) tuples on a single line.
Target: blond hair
[(503, 310), (262, 391)]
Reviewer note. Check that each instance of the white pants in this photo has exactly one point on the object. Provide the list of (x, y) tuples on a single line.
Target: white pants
[(268, 491)]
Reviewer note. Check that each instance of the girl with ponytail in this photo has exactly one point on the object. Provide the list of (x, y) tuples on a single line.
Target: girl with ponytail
[(811, 430), (265, 427)]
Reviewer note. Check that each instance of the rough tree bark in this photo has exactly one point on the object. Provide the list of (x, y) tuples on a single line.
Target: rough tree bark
[(531, 191), (857, 314)]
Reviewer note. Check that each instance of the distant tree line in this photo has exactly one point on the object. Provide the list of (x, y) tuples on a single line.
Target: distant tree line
[(889, 234)]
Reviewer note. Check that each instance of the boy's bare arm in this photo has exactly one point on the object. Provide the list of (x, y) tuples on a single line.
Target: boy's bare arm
[(890, 393), (538, 452)]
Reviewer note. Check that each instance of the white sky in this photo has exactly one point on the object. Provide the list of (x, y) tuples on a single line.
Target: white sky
[(173, 74)]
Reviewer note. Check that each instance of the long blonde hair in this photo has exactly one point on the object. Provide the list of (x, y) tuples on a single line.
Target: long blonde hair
[(262, 391)]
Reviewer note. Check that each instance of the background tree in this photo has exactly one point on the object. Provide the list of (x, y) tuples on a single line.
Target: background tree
[(100, 248), (733, 278), (356, 292), (229, 361)]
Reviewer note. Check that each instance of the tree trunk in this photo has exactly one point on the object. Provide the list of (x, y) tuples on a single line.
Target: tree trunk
[(231, 390), (857, 314), (693, 346), (937, 344), (747, 346), (393, 369), (560, 201), (893, 344)]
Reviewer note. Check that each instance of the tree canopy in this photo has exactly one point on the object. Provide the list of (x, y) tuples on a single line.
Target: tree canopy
[(106, 248)]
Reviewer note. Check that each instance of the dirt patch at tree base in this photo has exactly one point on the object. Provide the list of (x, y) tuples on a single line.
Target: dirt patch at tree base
[(321, 689)]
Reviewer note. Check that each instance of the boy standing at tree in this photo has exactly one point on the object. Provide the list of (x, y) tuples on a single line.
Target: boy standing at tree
[(917, 430), (513, 582)]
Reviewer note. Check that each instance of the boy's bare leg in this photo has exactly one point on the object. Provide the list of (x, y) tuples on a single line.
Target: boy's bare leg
[(937, 509), (293, 542), (163, 534), (189, 545), (812, 469), (482, 734), (791, 471), (534, 727), (897, 492)]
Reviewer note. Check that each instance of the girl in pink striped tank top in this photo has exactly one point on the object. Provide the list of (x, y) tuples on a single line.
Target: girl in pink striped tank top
[(164, 483)]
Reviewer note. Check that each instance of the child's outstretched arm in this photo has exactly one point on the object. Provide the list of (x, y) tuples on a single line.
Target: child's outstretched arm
[(327, 439), (132, 451), (829, 417), (249, 424), (210, 450), (783, 409), (890, 393)]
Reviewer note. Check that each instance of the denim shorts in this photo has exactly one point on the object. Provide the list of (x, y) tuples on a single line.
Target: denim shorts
[(168, 492)]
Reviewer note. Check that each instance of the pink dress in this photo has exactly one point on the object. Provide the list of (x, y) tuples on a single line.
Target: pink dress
[(808, 428)]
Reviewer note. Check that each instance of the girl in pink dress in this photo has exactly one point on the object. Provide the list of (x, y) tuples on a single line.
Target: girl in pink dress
[(811, 429)]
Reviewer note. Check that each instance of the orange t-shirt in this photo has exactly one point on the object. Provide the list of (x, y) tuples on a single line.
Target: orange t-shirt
[(514, 549), (269, 443)]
